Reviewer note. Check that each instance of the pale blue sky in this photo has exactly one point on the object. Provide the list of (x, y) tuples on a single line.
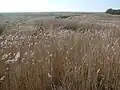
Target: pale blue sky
[(57, 5)]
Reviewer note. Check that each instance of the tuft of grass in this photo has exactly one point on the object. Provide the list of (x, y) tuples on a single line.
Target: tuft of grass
[(2, 28)]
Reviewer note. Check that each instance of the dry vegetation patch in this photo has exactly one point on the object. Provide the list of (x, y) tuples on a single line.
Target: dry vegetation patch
[(64, 59)]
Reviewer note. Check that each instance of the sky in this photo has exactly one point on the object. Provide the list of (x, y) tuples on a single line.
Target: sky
[(58, 5)]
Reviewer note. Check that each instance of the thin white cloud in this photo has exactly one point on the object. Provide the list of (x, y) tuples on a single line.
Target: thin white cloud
[(25, 5), (32, 6)]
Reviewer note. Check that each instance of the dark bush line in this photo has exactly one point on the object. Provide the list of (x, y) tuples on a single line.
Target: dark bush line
[(113, 11), (62, 17)]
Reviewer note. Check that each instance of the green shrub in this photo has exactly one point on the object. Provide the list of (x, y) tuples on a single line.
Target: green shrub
[(62, 17)]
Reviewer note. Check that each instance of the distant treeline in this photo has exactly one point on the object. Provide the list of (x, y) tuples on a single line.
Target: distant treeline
[(113, 11)]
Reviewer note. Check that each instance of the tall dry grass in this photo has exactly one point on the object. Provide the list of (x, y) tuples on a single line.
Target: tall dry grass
[(62, 60)]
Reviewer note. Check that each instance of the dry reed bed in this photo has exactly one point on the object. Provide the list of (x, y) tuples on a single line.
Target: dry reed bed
[(61, 60)]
